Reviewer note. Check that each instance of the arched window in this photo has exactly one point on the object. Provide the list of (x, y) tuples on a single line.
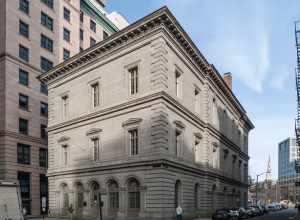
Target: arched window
[(177, 193), (134, 200), (65, 196), (213, 195), (196, 194), (79, 195), (94, 190), (113, 194)]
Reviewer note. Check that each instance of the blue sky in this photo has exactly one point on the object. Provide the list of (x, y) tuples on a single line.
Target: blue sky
[(253, 39)]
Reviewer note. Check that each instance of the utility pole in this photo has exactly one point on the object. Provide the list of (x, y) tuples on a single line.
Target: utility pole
[(100, 206), (256, 186)]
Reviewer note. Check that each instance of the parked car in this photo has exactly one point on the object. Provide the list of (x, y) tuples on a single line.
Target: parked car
[(233, 213), (265, 209), (271, 207), (221, 214), (256, 211), (250, 212), (243, 214)]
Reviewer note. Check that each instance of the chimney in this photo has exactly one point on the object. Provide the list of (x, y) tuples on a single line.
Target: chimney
[(228, 79)]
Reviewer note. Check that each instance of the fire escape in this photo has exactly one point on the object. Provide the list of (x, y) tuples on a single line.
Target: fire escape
[(297, 121)]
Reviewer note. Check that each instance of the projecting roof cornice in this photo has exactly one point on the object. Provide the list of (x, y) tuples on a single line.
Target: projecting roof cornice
[(161, 18)]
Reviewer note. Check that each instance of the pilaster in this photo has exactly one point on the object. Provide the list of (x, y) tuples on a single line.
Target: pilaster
[(159, 65)]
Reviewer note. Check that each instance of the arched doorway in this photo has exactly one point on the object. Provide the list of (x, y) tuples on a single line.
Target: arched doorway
[(79, 197), (196, 196), (64, 192), (94, 190), (113, 196), (213, 197), (177, 198), (134, 196)]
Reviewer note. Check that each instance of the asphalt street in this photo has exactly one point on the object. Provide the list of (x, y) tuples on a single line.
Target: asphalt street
[(288, 214)]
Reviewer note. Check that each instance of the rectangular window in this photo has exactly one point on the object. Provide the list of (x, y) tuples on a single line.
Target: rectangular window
[(23, 101), (93, 26), (23, 29), (177, 142), (44, 134), (65, 155), (23, 153), (133, 141), (105, 35), (24, 181), (46, 21), (66, 35), (178, 83), (134, 199), (66, 54), (44, 88), (197, 101), (67, 14), (133, 80), (95, 94), (24, 6), (23, 126), (23, 77), (44, 109), (49, 3), (65, 106), (92, 41), (23, 53), (81, 34), (81, 16), (46, 43), (96, 146), (46, 64), (43, 157)]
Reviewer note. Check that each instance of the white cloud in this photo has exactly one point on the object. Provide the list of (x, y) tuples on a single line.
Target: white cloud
[(279, 80)]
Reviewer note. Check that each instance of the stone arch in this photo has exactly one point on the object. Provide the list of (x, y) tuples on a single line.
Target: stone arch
[(132, 176), (109, 178)]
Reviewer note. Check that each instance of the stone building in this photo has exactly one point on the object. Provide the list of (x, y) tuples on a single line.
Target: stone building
[(34, 36), (145, 121)]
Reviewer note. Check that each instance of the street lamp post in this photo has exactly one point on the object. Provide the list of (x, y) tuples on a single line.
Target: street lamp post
[(257, 185)]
